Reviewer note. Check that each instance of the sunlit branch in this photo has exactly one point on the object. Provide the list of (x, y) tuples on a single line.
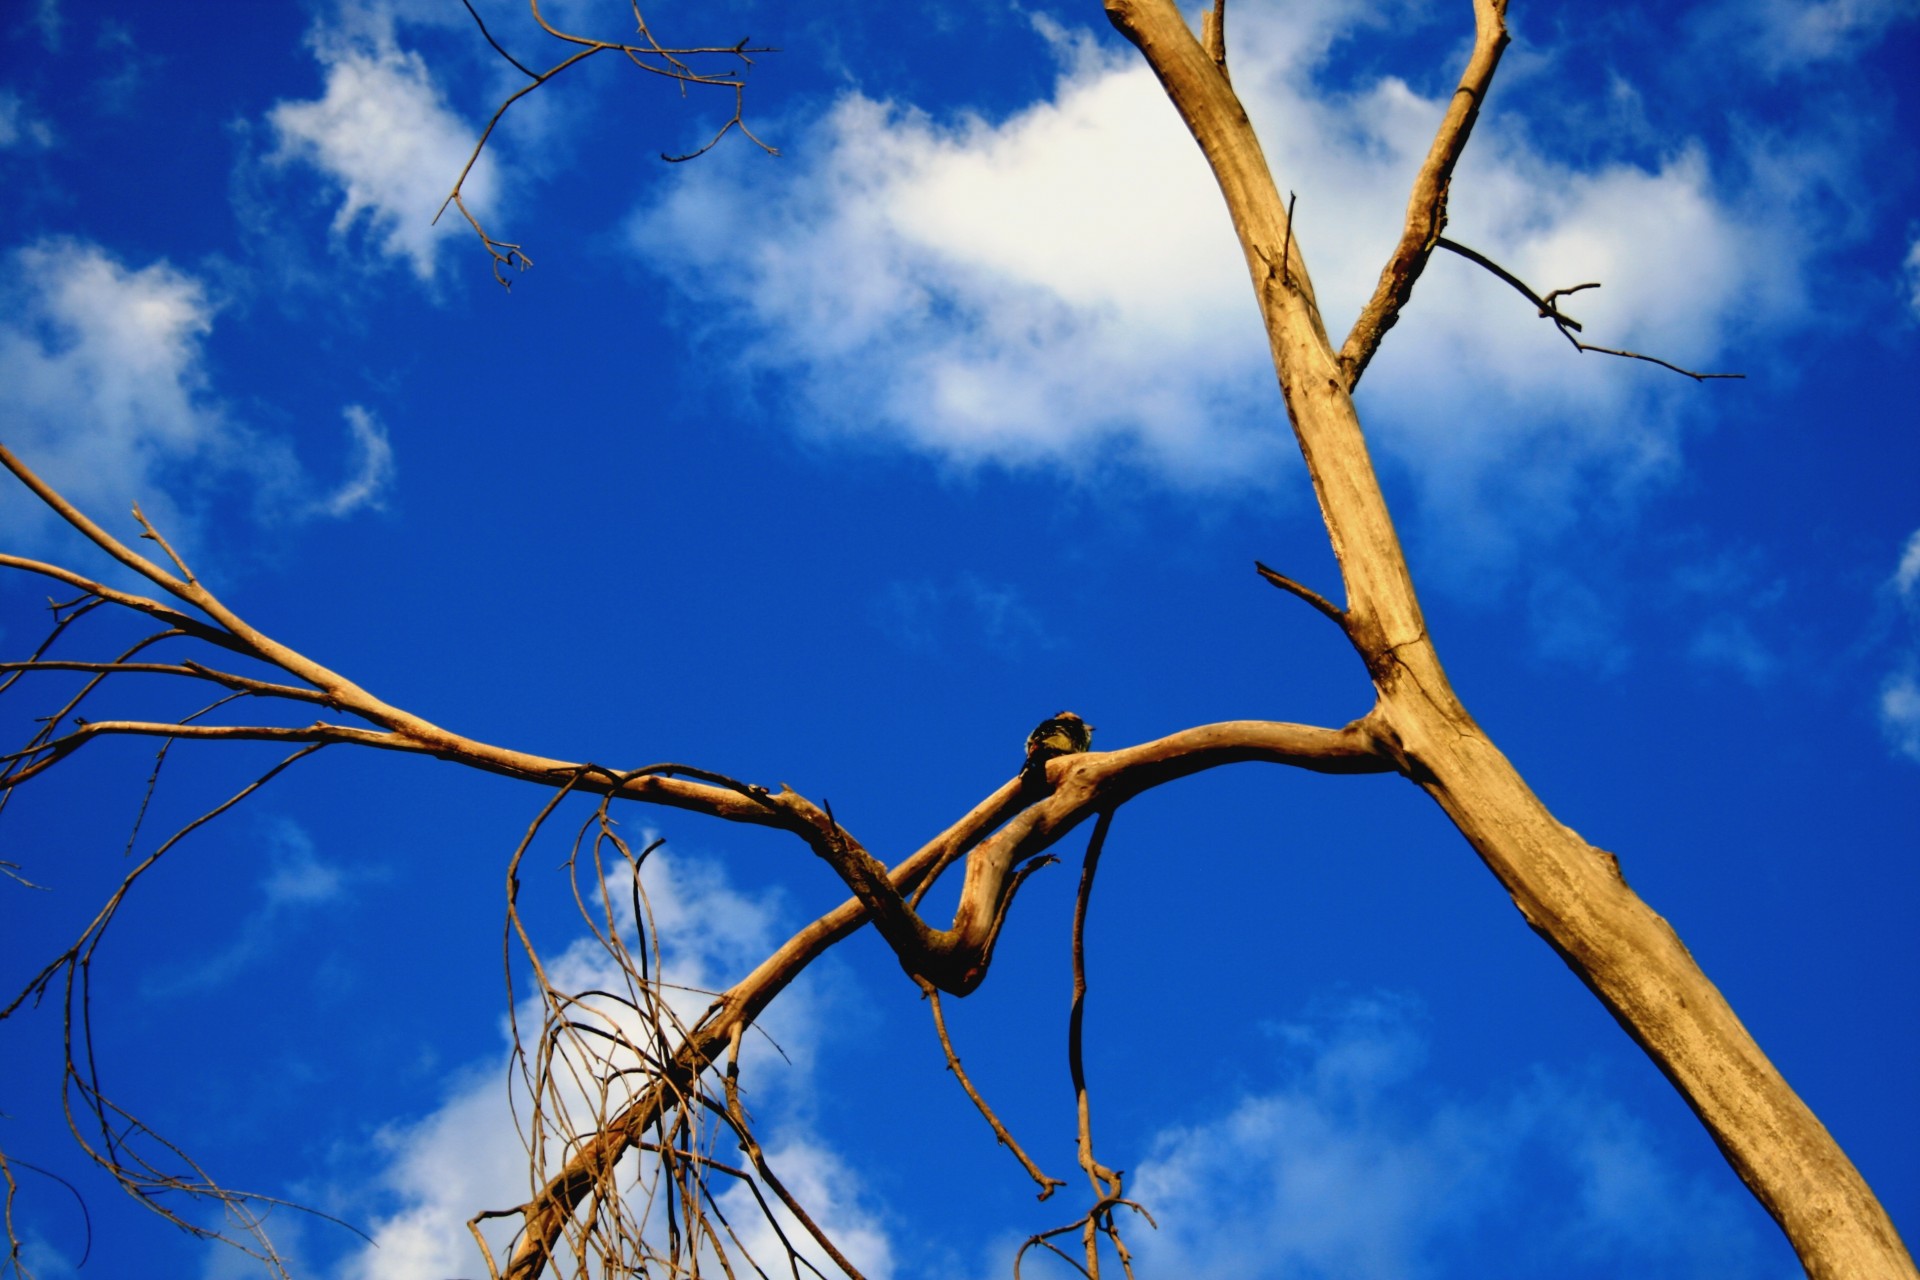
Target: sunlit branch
[(1427, 206)]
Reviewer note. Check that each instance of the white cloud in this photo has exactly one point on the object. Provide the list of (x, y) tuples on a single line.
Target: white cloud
[(20, 129), (1060, 288), (1900, 692), (374, 470), (1729, 641), (1350, 1169), (1906, 575), (383, 134), (105, 392), (467, 1155), (102, 379), (1911, 270), (1792, 35)]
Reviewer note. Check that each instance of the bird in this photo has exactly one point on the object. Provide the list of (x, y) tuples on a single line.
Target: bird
[(1063, 734)]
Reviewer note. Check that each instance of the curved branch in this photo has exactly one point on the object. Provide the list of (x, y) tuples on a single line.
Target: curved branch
[(1082, 784), (1427, 206), (1048, 1185), (1549, 309)]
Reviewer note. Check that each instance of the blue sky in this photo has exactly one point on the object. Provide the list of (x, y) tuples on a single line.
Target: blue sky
[(844, 468)]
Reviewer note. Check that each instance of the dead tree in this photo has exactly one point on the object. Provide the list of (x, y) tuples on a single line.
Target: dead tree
[(624, 1075)]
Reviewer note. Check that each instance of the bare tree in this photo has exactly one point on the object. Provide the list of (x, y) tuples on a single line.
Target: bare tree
[(639, 1078)]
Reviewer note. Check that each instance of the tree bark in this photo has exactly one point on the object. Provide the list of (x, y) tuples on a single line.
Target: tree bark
[(1571, 893)]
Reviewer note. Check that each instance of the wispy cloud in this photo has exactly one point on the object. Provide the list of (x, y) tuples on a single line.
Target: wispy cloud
[(298, 882), (929, 616), (1784, 36), (20, 128), (1900, 692), (384, 137), (105, 390), (373, 467), (1910, 270), (49, 22), (1348, 1167)]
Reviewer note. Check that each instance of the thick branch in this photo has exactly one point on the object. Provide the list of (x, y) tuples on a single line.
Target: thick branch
[(1082, 784), (1427, 206)]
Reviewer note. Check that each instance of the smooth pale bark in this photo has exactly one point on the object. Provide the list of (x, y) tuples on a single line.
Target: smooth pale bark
[(1569, 891)]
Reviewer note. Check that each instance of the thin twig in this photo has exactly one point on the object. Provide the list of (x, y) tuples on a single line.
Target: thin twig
[(1308, 594), (1549, 309), (1286, 246), (651, 57), (1047, 1185), (495, 43)]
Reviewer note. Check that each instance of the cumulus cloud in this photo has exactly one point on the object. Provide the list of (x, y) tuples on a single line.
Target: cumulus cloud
[(1900, 692), (1348, 1168), (1058, 288), (437, 1170), (383, 135), (20, 128)]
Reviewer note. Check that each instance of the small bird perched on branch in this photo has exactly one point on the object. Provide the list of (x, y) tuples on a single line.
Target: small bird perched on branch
[(1064, 734)]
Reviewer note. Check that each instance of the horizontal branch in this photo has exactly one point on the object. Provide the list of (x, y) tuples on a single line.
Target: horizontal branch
[(1549, 308), (194, 670)]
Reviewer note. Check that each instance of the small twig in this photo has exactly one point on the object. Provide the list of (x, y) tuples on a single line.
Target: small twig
[(1286, 246), (152, 534), (751, 1145), (651, 57), (1105, 1181), (1213, 36), (1305, 593), (1549, 309), (1047, 1184), (496, 44)]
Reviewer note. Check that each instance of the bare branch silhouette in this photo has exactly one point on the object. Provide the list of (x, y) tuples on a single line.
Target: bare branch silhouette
[(1549, 307)]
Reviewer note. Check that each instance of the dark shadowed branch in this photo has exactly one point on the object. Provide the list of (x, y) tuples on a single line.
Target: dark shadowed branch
[(1549, 308)]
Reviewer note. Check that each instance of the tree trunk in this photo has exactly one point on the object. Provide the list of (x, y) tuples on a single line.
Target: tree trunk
[(1571, 893)]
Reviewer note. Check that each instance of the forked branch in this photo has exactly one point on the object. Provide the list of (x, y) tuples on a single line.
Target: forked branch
[(645, 53)]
